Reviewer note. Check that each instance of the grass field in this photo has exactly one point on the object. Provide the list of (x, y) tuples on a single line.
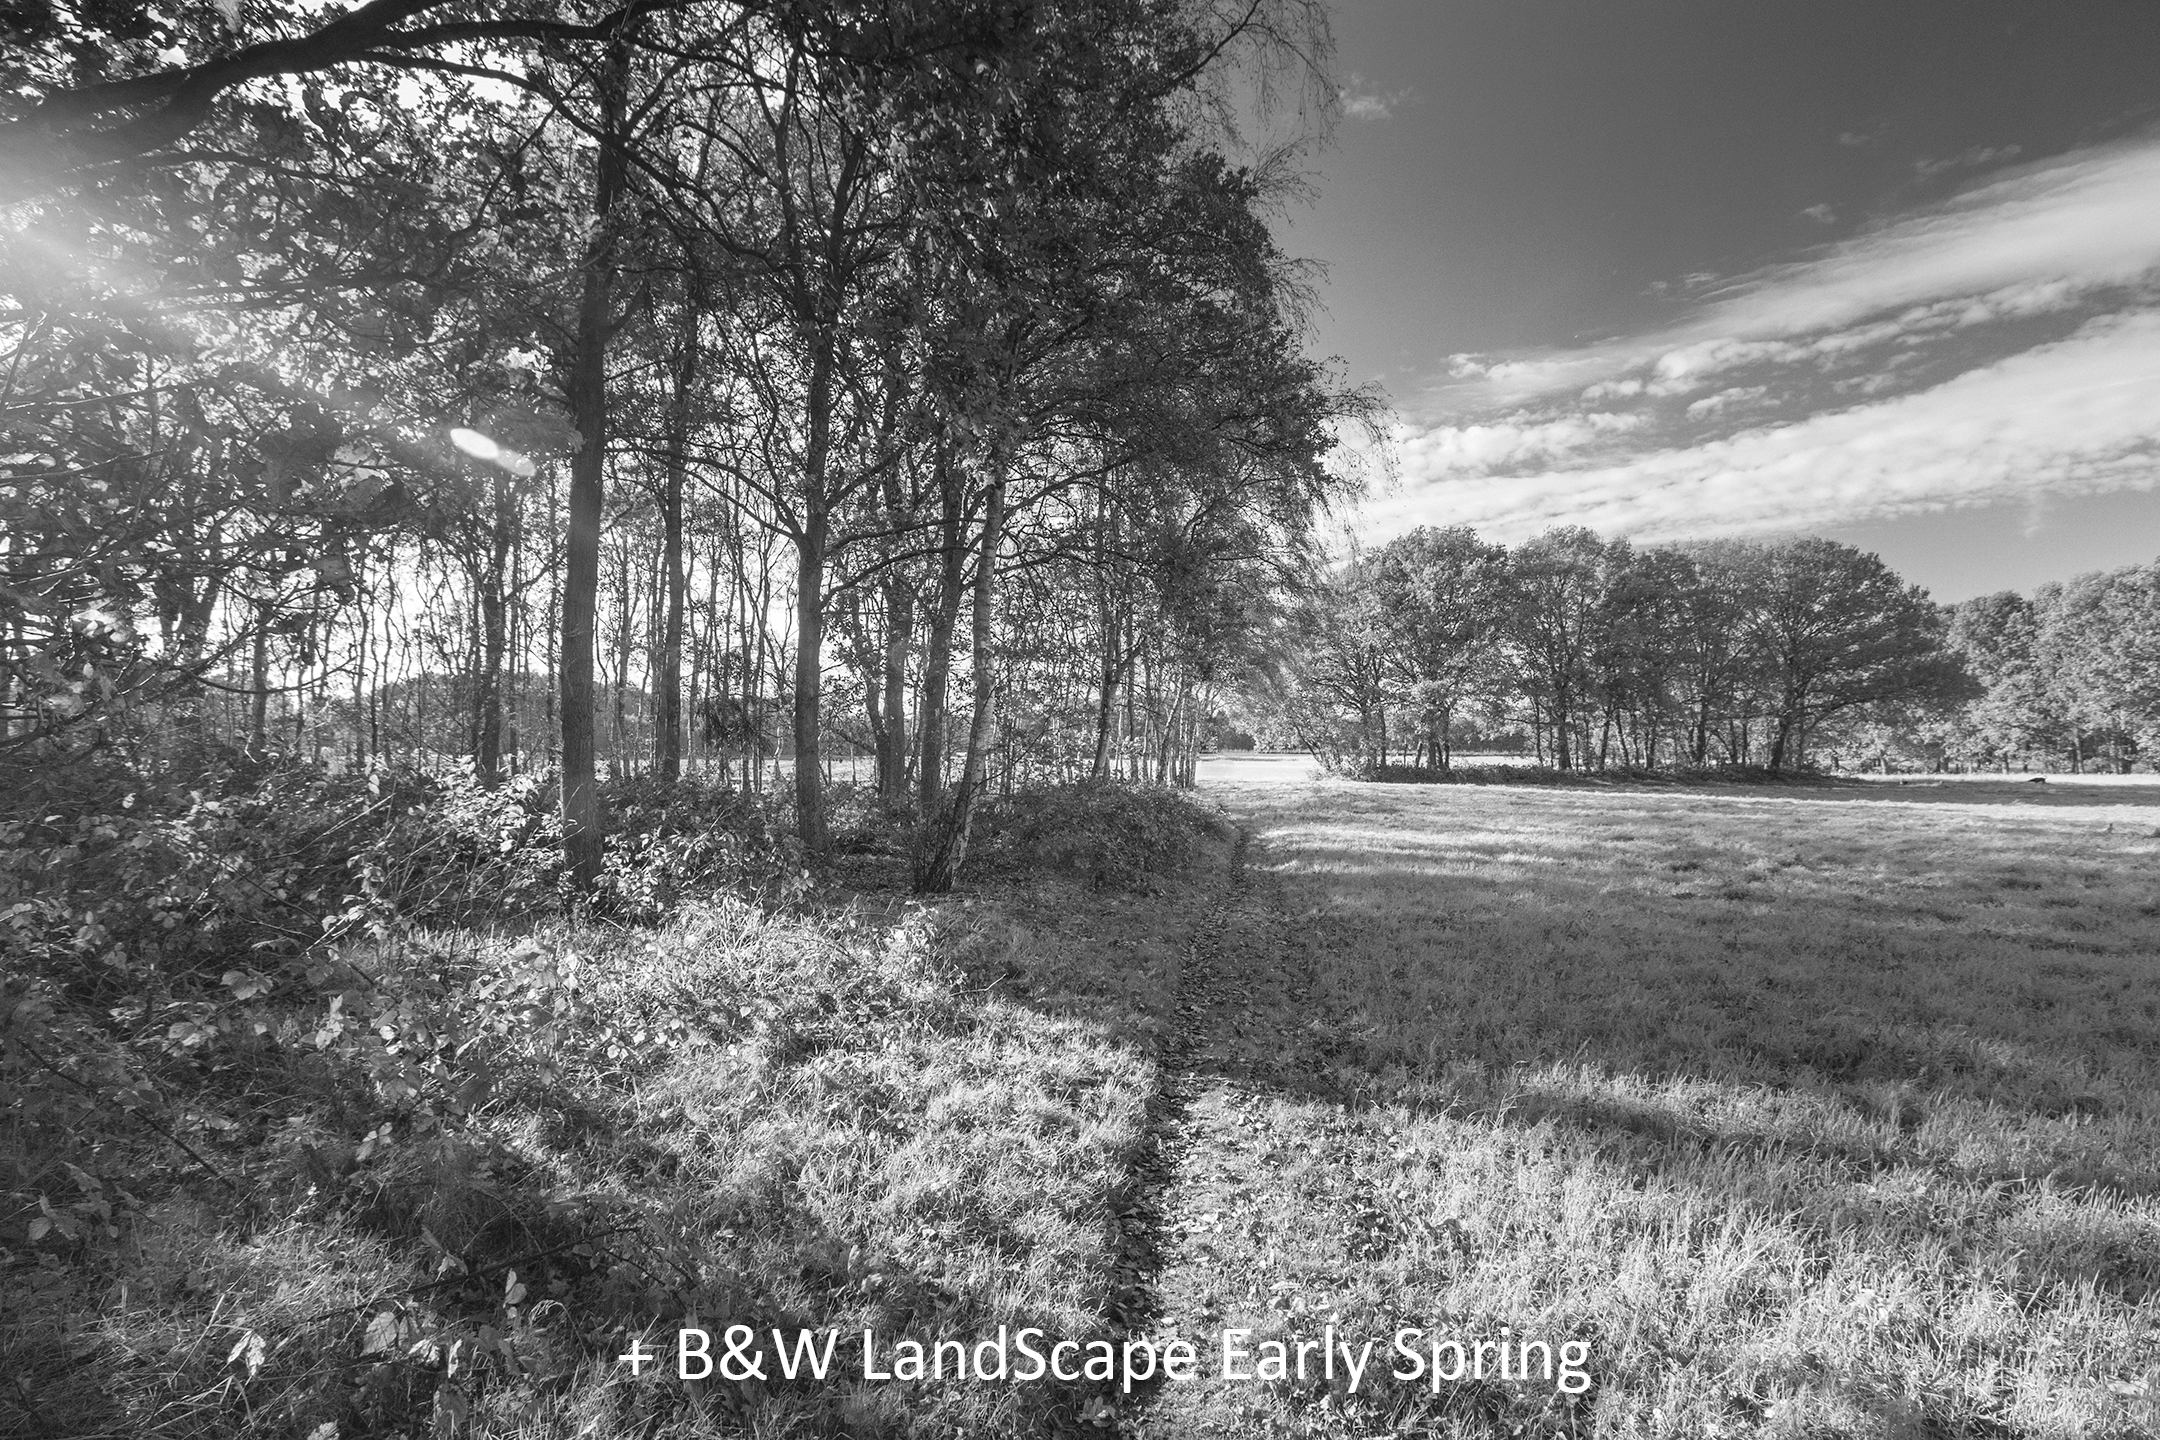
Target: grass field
[(1806, 1111), (1821, 1111)]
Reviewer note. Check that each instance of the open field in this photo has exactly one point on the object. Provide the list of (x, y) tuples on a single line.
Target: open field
[(1804, 1110), (1812, 1112)]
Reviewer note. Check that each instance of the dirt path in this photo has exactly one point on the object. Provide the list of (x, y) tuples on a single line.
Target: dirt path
[(1238, 1010)]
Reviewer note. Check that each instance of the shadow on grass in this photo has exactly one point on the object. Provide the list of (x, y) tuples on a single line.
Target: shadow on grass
[(1923, 1062)]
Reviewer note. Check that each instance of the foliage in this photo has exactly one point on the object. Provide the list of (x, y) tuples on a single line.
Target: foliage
[(469, 1167), (1108, 832), (302, 337), (153, 936), (1602, 655)]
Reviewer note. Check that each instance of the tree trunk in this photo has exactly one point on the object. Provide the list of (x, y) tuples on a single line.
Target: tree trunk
[(937, 656), (937, 870), (581, 811), (810, 678), (810, 546), (892, 740), (494, 644), (1112, 633), (1106, 707), (668, 671), (258, 741), (1780, 741)]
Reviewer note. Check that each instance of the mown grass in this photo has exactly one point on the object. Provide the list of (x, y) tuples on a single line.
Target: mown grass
[(1834, 1113), (918, 1119)]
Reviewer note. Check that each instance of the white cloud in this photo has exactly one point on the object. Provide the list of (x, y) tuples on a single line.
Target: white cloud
[(1514, 441), (1713, 405), (1853, 345), (1820, 214), (2038, 238), (1977, 158), (1362, 100), (2078, 415), (2086, 221)]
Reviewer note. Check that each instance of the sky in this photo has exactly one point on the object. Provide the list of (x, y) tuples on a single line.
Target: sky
[(1885, 272)]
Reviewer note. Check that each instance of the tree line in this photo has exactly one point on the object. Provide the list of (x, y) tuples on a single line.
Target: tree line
[(2070, 677), (1594, 653), (583, 391)]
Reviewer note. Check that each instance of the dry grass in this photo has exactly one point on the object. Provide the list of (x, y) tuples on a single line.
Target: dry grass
[(1821, 1113)]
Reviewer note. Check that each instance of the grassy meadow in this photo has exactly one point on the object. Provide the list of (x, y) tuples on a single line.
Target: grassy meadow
[(1807, 1111), (1813, 1111)]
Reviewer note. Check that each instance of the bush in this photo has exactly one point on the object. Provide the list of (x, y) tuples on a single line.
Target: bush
[(154, 935), (469, 855), (1108, 831)]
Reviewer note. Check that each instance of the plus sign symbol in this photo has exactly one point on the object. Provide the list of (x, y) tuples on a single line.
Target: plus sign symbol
[(637, 1355)]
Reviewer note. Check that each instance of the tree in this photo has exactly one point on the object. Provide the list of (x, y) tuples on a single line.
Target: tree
[(1998, 638), (1555, 590), (60, 128), (1441, 595), (1834, 628)]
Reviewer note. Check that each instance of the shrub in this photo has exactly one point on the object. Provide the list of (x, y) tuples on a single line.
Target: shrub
[(1110, 832)]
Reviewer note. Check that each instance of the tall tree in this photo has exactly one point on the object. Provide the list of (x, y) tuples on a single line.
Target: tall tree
[(1556, 588), (1835, 628), (1441, 598)]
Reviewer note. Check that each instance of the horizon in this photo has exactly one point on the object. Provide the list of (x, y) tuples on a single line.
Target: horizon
[(1684, 270)]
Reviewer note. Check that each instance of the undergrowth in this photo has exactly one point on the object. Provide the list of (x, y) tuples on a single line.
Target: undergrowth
[(318, 1117), (1107, 834)]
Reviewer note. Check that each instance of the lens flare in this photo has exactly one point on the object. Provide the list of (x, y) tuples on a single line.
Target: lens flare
[(481, 447)]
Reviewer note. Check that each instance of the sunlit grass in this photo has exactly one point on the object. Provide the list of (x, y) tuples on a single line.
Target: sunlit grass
[(1834, 1113)]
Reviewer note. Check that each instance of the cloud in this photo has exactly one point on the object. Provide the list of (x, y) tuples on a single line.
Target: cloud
[(2074, 416), (1509, 443), (1361, 100), (1820, 214), (2003, 344), (1725, 400), (1977, 158), (2051, 233)]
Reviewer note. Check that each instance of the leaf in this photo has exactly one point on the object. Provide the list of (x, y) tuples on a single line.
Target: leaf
[(248, 1352), (382, 1333), (451, 1408), (513, 1290)]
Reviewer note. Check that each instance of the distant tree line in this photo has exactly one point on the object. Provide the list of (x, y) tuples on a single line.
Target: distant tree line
[(1594, 654), (2071, 680)]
